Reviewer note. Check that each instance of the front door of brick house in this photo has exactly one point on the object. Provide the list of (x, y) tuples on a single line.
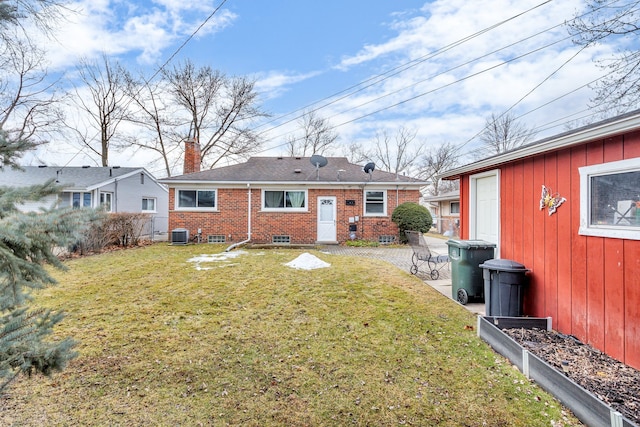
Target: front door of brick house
[(327, 219)]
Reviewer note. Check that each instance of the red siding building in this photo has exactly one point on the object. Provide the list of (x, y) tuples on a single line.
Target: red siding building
[(568, 208)]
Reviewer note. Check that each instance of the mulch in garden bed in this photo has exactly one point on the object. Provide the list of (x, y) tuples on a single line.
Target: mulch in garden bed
[(612, 381)]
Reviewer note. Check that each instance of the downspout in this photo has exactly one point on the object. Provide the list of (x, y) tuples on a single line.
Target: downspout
[(235, 245)]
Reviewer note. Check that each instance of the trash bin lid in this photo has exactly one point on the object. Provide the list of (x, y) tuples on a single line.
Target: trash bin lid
[(467, 244), (504, 265)]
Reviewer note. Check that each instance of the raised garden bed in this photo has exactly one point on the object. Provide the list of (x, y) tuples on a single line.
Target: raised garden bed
[(584, 404)]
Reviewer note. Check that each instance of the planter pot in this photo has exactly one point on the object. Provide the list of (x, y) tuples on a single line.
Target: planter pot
[(585, 406)]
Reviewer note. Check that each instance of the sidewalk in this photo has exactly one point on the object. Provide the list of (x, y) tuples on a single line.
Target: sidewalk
[(443, 285)]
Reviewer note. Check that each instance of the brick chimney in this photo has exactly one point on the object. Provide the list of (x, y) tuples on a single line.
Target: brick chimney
[(191, 156)]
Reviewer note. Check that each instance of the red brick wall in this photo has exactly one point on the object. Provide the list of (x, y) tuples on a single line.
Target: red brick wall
[(191, 156), (231, 220)]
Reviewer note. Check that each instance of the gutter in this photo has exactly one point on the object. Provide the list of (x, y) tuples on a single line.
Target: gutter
[(605, 129), (235, 245)]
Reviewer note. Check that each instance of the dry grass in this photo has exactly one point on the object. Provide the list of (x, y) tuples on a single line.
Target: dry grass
[(252, 342)]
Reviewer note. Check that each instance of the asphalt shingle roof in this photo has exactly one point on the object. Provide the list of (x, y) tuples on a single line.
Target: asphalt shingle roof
[(68, 177), (292, 170)]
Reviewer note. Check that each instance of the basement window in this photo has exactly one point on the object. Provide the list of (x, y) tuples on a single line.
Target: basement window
[(281, 239), (610, 199), (216, 238), (386, 240)]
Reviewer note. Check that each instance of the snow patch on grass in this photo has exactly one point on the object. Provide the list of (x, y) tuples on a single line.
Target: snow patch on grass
[(211, 258), (306, 261)]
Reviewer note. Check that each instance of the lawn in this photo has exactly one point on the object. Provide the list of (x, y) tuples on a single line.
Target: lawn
[(249, 341)]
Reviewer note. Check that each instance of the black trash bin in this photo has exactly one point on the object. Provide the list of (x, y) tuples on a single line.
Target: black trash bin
[(504, 282), (466, 275)]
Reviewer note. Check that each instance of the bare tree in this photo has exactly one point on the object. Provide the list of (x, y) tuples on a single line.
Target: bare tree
[(28, 103), (436, 162), (602, 21), (16, 17), (317, 136), (392, 154), (150, 113), (216, 110), (503, 133), (102, 104)]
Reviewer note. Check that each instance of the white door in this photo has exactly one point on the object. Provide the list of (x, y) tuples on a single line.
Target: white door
[(327, 219), (484, 214)]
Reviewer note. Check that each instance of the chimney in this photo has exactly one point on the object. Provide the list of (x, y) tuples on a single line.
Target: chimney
[(191, 156)]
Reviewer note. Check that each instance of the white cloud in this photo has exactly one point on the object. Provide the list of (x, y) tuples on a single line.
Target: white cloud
[(127, 28), (273, 84)]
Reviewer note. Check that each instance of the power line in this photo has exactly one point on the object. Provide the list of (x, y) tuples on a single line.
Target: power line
[(420, 60), (374, 80)]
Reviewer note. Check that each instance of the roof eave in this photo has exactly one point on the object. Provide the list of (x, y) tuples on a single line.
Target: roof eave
[(589, 133), (306, 183)]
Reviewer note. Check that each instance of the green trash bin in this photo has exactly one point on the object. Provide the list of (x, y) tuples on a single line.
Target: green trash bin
[(466, 274)]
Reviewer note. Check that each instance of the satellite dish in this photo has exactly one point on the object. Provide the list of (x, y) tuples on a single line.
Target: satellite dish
[(318, 161), (369, 167)]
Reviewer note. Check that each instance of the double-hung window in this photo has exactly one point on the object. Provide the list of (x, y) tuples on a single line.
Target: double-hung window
[(197, 199), (106, 201), (295, 200), (454, 207), (148, 204), (375, 202), (610, 199)]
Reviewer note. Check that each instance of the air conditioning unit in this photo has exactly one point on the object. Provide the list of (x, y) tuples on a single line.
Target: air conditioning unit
[(179, 236)]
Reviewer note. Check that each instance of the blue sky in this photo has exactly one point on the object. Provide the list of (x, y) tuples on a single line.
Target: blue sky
[(300, 52)]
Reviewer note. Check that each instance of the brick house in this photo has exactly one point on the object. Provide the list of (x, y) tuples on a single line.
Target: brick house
[(286, 200), (445, 210), (568, 208)]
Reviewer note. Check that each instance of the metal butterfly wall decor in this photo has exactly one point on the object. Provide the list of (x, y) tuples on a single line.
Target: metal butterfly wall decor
[(550, 201)]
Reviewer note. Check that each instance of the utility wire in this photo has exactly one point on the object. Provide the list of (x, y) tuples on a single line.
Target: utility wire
[(374, 80), (422, 59), (461, 146)]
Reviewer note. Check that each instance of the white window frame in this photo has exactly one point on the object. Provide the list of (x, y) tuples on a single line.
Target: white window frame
[(451, 208), (196, 208), (155, 204), (604, 230), (82, 198), (384, 202), (103, 195), (305, 208)]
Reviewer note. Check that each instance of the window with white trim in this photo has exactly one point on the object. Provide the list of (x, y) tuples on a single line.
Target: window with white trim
[(454, 208), (375, 202), (81, 200), (148, 204), (295, 200), (610, 199), (105, 201), (196, 199)]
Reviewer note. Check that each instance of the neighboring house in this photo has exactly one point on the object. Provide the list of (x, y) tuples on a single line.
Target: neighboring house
[(114, 188), (445, 210), (287, 200), (580, 237)]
